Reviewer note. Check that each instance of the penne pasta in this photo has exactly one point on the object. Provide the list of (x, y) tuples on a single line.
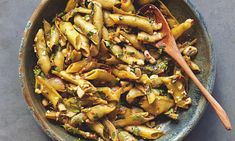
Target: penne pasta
[(98, 111), (70, 5), (146, 38), (59, 60), (73, 12), (51, 94), (100, 75), (145, 132), (161, 105), (87, 29), (127, 6), (98, 20), (41, 51), (177, 90), (133, 21), (132, 38), (134, 119), (108, 4), (77, 66), (133, 94), (111, 129), (78, 41), (98, 128), (86, 86), (108, 20), (177, 31), (77, 131), (125, 136)]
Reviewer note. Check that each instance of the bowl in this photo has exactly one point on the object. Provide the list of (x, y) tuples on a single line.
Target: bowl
[(175, 131)]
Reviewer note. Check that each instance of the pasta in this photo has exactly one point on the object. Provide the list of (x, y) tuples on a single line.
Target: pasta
[(100, 76)]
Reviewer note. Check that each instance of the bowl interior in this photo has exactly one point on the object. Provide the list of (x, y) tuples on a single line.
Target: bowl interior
[(174, 130)]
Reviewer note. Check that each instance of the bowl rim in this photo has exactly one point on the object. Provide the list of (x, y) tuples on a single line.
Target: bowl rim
[(53, 135)]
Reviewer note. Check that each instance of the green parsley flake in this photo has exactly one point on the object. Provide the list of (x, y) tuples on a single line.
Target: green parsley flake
[(161, 49)]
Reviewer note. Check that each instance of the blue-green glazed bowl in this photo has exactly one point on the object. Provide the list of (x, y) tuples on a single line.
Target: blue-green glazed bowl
[(175, 131)]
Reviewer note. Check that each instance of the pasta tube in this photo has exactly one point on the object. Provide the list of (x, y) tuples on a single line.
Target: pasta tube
[(109, 94), (85, 85), (98, 19), (100, 75), (77, 66), (78, 41), (108, 4), (125, 136), (182, 28), (132, 94), (54, 37), (47, 29), (71, 4), (132, 38), (172, 21), (41, 51), (78, 119), (145, 132), (87, 29), (133, 21), (161, 105), (134, 119), (56, 83), (125, 56), (146, 38), (107, 20), (59, 60), (73, 12), (98, 128), (98, 111), (177, 90), (122, 74), (51, 94), (77, 131), (111, 129)]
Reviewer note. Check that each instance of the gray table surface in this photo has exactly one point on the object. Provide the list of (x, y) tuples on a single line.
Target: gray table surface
[(17, 123)]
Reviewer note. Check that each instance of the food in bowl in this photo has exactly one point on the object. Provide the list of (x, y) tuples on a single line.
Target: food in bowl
[(99, 75)]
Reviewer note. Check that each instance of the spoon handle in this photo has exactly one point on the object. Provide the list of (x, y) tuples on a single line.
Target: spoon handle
[(218, 109)]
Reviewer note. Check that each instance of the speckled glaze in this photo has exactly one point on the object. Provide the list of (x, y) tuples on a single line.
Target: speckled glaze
[(174, 131)]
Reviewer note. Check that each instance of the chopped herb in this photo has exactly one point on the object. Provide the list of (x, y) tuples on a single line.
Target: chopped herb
[(161, 49), (138, 117), (146, 38), (37, 71), (120, 18), (108, 44), (91, 33), (57, 69), (131, 53), (96, 116), (113, 135), (101, 94), (119, 55), (136, 131), (163, 65)]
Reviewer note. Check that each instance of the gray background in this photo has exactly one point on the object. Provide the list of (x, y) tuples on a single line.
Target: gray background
[(17, 123)]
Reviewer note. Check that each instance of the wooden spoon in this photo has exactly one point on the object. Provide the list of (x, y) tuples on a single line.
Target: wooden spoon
[(172, 50)]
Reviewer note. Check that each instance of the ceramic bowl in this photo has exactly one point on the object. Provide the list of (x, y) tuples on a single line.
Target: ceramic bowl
[(175, 131)]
